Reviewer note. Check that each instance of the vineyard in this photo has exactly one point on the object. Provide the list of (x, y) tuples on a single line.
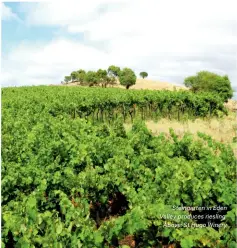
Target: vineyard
[(72, 176), (108, 104)]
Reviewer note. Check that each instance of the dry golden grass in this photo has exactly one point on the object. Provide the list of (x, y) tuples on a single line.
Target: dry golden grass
[(145, 84), (155, 85), (231, 105), (222, 129)]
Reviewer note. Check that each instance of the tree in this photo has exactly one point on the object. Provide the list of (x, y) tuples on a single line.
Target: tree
[(190, 82), (104, 78), (74, 76), (127, 77), (81, 76), (206, 81), (91, 78), (114, 70), (101, 74), (109, 80), (67, 79), (143, 74), (222, 86)]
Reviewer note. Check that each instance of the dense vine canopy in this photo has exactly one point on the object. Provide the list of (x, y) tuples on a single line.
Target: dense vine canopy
[(78, 182)]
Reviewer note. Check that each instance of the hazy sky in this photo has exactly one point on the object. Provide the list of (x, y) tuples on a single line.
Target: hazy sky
[(44, 41)]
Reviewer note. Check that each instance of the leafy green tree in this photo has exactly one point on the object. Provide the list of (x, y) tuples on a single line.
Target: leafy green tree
[(74, 76), (102, 75), (205, 81), (91, 78), (81, 76), (67, 79), (127, 77), (105, 78), (191, 82), (143, 74), (114, 70), (110, 80)]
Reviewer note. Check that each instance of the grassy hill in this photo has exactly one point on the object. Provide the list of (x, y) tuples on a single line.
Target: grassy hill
[(146, 84)]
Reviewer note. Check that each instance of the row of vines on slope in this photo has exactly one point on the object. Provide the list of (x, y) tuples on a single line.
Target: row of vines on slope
[(108, 104)]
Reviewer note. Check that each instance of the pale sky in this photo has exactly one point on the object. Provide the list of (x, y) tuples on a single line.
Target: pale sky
[(42, 42)]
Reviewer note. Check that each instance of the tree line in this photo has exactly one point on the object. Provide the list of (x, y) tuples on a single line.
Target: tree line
[(126, 77), (203, 81)]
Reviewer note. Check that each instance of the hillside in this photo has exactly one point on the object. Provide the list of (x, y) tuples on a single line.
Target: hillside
[(155, 85), (147, 84)]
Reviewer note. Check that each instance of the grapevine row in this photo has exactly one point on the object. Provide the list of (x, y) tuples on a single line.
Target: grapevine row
[(108, 104)]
